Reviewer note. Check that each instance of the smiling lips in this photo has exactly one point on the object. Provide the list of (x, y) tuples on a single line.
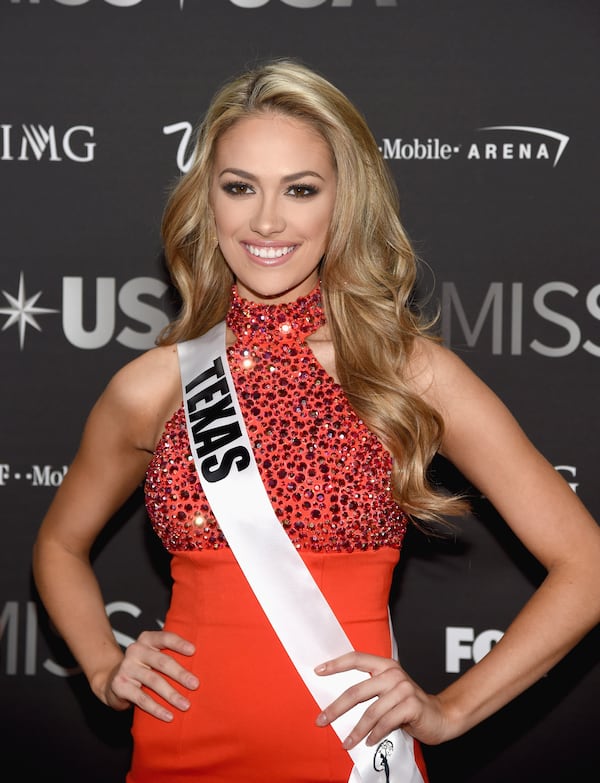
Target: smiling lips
[(269, 253)]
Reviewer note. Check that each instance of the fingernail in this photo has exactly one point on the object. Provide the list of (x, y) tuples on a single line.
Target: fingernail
[(192, 682), (347, 743), (321, 668), (322, 719)]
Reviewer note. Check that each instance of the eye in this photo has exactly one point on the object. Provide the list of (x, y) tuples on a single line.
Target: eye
[(237, 188), (301, 191)]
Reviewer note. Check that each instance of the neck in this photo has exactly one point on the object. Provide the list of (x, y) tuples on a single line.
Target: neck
[(277, 296)]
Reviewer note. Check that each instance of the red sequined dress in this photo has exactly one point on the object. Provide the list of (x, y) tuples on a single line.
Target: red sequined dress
[(252, 719)]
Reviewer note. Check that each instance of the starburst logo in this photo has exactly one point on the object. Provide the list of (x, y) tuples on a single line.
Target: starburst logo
[(22, 311)]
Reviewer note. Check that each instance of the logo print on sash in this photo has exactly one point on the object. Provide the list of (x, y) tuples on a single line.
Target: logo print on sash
[(380, 759)]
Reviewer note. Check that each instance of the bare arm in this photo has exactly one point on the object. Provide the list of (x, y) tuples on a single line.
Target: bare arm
[(115, 449), (485, 442)]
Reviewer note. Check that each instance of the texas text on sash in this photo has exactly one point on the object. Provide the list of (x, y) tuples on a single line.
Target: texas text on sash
[(232, 484)]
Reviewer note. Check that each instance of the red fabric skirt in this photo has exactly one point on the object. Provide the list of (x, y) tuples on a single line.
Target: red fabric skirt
[(252, 719)]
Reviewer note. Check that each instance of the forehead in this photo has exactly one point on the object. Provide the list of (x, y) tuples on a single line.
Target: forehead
[(263, 141)]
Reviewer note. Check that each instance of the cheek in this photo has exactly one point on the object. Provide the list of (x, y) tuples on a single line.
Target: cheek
[(223, 210), (322, 224), (225, 220)]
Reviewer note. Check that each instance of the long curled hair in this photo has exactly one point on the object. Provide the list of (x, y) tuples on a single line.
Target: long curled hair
[(367, 275)]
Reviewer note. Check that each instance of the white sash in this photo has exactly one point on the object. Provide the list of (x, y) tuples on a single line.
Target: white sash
[(283, 585)]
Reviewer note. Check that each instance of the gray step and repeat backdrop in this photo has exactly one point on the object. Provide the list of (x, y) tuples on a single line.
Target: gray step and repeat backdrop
[(488, 115)]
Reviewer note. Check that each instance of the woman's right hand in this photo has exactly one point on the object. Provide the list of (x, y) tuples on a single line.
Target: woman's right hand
[(143, 672)]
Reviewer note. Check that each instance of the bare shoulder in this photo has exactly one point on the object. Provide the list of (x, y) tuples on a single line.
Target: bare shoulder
[(468, 406), (155, 371), (143, 394), (437, 373)]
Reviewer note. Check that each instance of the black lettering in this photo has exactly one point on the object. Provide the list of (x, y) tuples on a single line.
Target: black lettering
[(216, 438), (216, 369), (207, 394), (213, 471), (206, 416)]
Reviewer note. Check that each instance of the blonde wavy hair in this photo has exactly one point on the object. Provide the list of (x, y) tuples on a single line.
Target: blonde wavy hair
[(367, 274)]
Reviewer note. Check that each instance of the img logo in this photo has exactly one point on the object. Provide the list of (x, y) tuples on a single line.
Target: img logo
[(37, 142)]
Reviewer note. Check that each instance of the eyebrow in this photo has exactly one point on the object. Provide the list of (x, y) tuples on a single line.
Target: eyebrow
[(289, 178)]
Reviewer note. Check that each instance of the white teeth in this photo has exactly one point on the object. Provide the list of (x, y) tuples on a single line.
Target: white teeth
[(269, 252)]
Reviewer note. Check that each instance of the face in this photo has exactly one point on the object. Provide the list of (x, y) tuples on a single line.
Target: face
[(272, 194)]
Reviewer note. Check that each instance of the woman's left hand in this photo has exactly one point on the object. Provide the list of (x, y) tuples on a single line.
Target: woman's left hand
[(399, 702)]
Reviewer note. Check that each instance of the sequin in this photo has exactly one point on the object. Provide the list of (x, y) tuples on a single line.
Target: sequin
[(327, 476)]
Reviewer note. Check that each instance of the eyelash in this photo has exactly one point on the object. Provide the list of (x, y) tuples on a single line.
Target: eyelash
[(310, 190), (243, 189)]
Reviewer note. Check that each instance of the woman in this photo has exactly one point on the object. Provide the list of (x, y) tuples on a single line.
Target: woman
[(286, 226)]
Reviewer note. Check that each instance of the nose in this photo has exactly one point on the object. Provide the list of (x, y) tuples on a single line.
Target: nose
[(267, 217)]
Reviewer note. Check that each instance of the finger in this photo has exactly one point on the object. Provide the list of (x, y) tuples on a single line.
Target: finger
[(363, 662), (386, 713), (167, 640), (146, 672), (147, 652), (164, 663), (356, 694), (143, 689), (126, 689), (146, 703), (392, 684)]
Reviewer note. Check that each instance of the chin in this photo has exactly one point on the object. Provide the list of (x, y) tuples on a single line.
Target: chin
[(278, 285), (277, 293)]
